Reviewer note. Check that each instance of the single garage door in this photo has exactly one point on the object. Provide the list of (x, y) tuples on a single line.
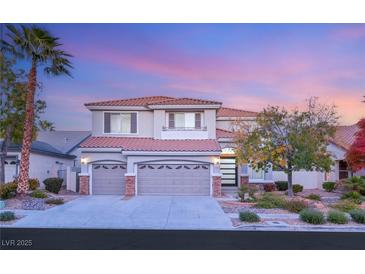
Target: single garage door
[(173, 179), (108, 179)]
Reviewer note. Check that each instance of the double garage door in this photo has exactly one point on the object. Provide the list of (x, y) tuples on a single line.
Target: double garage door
[(173, 179), (153, 179)]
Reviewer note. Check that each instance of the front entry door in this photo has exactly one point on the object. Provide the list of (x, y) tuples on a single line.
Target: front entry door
[(228, 169)]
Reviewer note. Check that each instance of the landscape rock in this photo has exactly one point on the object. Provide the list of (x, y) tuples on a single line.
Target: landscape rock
[(33, 204)]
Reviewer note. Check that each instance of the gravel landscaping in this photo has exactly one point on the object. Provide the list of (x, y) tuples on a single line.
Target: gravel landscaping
[(283, 219), (30, 203)]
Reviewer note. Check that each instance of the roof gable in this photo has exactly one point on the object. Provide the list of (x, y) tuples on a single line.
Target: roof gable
[(140, 101), (63, 140), (185, 101), (345, 136), (233, 112), (222, 133)]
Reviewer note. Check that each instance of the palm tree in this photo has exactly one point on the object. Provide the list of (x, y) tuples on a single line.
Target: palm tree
[(39, 47)]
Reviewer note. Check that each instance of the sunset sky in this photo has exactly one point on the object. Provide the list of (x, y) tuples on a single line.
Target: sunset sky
[(246, 66)]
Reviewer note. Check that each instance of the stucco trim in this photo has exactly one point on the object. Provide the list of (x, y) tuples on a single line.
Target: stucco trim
[(107, 160), (184, 106), (118, 108), (173, 160), (170, 153)]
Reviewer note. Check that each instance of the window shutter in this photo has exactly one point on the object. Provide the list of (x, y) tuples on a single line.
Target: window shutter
[(171, 120), (106, 122), (198, 120), (133, 122)]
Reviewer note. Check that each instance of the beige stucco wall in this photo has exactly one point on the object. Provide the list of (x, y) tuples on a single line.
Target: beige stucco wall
[(159, 120), (226, 125), (145, 122), (210, 122)]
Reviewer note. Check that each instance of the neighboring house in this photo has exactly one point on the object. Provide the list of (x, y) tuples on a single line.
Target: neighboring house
[(338, 146), (162, 146), (51, 154)]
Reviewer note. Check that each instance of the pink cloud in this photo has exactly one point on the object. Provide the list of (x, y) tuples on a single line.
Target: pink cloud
[(292, 77), (177, 64), (352, 32)]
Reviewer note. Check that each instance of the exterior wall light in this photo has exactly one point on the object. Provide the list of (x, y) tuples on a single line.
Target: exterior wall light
[(83, 160), (216, 161)]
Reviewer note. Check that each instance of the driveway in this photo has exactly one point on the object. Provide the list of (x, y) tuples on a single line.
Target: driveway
[(141, 212)]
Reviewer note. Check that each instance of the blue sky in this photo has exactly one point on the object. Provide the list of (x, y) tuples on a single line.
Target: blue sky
[(246, 66)]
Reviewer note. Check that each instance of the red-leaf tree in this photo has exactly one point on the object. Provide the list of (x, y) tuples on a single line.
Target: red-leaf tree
[(355, 156)]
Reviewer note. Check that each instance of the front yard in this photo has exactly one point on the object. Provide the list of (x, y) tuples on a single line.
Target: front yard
[(36, 199), (266, 208)]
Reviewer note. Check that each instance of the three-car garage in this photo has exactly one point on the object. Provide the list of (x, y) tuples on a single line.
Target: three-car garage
[(190, 179)]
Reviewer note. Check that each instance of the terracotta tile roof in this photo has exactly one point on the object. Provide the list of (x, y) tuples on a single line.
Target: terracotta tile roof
[(150, 144), (141, 101), (185, 101), (233, 112), (345, 136), (222, 133)]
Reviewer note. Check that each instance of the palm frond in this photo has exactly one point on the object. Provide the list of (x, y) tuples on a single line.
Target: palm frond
[(39, 45)]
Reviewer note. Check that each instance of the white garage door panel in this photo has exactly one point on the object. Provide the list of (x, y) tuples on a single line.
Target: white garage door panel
[(108, 179), (174, 179)]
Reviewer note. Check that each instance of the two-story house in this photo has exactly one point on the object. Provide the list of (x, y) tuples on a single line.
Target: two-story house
[(162, 146)]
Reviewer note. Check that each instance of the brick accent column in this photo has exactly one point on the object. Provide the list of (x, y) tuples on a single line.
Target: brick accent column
[(84, 188), (130, 185), (217, 186), (243, 179)]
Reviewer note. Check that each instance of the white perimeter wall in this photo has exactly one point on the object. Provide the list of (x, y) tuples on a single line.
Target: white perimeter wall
[(308, 179), (43, 167)]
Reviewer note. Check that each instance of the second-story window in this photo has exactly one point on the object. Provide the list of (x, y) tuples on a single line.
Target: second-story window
[(122, 123), (192, 120)]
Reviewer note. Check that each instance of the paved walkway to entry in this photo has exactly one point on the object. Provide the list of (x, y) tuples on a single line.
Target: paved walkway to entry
[(141, 212)]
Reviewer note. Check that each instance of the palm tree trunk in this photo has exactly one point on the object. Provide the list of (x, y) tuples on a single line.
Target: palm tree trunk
[(4, 152), (23, 184)]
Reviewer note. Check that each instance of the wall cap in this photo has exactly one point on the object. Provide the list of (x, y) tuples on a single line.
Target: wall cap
[(130, 174), (216, 174), (84, 174)]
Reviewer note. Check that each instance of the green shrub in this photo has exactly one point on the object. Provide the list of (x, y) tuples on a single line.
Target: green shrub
[(297, 188), (7, 216), (249, 217), (358, 216), (33, 184), (55, 201), (329, 186), (353, 196), (337, 217), (8, 190), (295, 205), (356, 183), (313, 197), (345, 205), (39, 194), (281, 185), (269, 200), (269, 187), (53, 184), (246, 188), (312, 216)]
